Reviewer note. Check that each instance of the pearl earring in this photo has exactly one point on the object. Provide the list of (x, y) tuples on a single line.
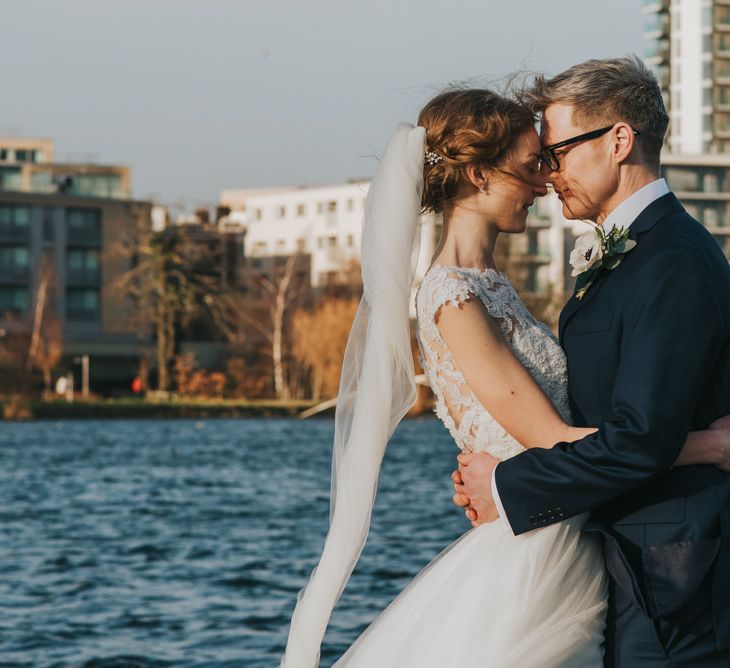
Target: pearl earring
[(481, 189)]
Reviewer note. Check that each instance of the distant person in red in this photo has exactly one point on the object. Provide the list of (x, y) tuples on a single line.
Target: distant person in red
[(137, 385)]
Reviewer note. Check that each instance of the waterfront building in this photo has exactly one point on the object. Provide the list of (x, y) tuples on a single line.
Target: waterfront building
[(688, 46), (324, 223), (71, 219), (702, 184)]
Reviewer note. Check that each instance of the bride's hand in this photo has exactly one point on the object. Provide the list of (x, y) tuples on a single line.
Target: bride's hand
[(722, 426)]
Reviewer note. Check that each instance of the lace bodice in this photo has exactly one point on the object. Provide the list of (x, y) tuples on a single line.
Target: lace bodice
[(534, 345)]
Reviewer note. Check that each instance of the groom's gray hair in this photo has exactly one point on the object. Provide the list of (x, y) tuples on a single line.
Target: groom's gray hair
[(604, 92)]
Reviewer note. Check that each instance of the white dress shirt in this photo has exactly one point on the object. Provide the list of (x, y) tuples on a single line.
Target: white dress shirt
[(622, 216)]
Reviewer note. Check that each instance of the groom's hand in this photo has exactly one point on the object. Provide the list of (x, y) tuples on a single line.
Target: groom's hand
[(473, 486)]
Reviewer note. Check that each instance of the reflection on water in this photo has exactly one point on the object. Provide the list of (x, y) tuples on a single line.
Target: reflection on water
[(184, 543)]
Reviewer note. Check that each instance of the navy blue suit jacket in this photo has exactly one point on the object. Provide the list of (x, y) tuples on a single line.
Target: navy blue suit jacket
[(648, 351)]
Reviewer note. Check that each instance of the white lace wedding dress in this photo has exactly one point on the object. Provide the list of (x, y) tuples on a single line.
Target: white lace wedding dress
[(492, 599)]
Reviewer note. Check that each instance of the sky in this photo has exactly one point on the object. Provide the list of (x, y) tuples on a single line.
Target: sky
[(198, 96)]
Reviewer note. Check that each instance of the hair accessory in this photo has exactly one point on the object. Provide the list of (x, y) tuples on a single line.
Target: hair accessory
[(432, 158)]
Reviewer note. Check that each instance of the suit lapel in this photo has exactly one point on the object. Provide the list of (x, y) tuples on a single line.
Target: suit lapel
[(573, 304), (644, 222)]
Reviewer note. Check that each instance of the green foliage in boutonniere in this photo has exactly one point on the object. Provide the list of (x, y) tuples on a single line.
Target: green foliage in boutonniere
[(596, 252)]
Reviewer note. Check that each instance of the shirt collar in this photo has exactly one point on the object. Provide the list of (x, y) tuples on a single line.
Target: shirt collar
[(627, 212)]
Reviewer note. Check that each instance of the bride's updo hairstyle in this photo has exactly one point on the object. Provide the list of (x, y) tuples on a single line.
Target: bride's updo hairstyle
[(466, 127)]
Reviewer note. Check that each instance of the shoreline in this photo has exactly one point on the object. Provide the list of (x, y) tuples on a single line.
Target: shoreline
[(25, 410)]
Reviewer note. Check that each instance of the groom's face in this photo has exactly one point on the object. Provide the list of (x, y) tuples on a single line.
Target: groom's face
[(584, 180)]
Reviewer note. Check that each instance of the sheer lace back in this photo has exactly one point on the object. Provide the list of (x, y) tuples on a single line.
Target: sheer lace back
[(470, 424)]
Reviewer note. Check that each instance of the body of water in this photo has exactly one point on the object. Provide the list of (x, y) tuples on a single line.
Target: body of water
[(184, 543)]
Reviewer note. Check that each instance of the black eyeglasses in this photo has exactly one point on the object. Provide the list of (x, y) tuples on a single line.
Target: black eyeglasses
[(550, 158)]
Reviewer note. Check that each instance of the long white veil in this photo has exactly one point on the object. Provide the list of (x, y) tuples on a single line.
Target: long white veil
[(377, 386)]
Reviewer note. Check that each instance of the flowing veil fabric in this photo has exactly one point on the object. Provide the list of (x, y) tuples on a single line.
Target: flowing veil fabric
[(377, 385)]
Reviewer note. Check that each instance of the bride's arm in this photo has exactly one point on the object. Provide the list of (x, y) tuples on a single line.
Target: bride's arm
[(507, 390), (499, 380)]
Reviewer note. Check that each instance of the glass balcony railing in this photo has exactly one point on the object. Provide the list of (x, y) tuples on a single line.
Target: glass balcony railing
[(657, 49), (657, 24), (722, 70), (722, 17), (722, 42)]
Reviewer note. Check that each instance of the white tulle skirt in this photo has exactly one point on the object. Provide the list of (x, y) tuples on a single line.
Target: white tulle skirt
[(493, 599)]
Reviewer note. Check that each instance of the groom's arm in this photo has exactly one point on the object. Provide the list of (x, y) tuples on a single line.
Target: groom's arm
[(673, 333)]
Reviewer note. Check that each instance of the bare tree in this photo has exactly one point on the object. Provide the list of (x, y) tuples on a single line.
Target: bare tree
[(46, 338), (320, 337), (264, 305)]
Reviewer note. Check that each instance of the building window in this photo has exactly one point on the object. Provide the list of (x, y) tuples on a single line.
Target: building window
[(320, 243), (332, 206), (707, 17), (82, 304), (84, 226), (350, 241), (711, 182), (707, 43), (14, 300), (692, 210), (83, 266), (301, 210), (280, 245), (259, 247), (281, 212), (331, 242), (707, 69), (257, 214), (682, 179), (722, 42), (350, 204), (711, 216), (707, 97), (320, 207), (14, 262), (15, 222), (301, 245)]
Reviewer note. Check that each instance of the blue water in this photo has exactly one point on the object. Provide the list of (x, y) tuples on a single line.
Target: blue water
[(184, 543)]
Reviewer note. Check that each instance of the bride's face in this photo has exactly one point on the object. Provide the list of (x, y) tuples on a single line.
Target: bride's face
[(512, 189)]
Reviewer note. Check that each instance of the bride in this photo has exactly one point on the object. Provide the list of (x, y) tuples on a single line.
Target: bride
[(491, 598)]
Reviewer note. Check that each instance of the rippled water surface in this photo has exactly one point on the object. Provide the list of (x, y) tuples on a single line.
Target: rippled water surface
[(184, 543)]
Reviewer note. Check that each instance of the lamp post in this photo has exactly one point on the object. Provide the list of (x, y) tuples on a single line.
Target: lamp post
[(84, 359)]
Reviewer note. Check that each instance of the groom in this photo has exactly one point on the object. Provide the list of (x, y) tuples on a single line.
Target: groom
[(648, 347)]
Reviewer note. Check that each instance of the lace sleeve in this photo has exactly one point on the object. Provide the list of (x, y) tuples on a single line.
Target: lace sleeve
[(468, 421), (441, 289), (451, 290)]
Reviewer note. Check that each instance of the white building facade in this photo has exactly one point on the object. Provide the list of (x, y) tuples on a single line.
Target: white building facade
[(689, 49), (324, 223)]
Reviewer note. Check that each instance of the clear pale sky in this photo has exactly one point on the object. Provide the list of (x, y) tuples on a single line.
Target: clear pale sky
[(200, 96)]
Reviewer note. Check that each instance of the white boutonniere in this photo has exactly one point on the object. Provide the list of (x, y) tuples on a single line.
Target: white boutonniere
[(596, 252)]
